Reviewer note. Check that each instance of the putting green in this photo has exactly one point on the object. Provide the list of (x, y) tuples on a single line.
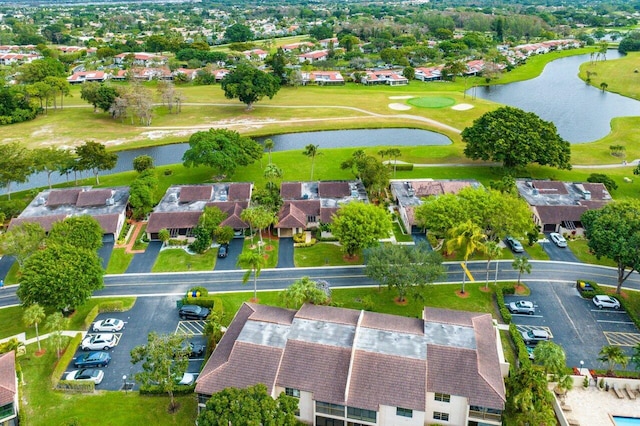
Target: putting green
[(432, 102)]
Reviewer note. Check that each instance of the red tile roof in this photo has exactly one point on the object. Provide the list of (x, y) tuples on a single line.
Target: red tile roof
[(549, 187), (8, 388), (557, 214), (239, 191), (108, 222), (291, 190), (291, 216), (45, 221)]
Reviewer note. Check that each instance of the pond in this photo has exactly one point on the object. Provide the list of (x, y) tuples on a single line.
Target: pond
[(581, 113), (171, 154)]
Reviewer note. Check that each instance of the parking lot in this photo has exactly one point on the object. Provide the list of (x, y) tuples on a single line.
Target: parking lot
[(157, 314), (575, 323)]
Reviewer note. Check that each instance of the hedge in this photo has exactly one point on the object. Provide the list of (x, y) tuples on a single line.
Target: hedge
[(65, 359), (312, 242), (402, 167), (114, 306), (500, 291), (589, 293), (77, 386), (157, 390), (521, 348)]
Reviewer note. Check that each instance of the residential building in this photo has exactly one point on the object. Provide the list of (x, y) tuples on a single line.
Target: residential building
[(302, 46), (88, 76), (308, 204), (329, 42), (107, 205), (9, 403), (388, 77), (315, 56), (349, 367), (255, 53), (323, 78), (141, 59), (409, 194), (558, 206), (428, 74), (182, 205)]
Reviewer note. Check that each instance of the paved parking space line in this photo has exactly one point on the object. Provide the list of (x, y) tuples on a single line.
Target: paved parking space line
[(527, 316), (190, 328), (622, 339), (117, 336), (615, 322), (606, 311), (521, 327)]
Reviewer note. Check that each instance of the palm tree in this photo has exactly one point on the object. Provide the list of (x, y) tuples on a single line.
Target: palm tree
[(34, 315), (395, 153), (492, 250), (521, 264), (55, 324), (612, 356), (603, 86), (269, 145), (635, 358), (271, 173), (551, 357), (254, 262), (467, 237), (311, 151)]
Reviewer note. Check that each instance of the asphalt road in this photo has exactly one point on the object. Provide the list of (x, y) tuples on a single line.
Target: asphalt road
[(563, 254)]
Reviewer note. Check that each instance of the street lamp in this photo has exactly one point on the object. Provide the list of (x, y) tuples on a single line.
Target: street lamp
[(124, 381), (581, 366)]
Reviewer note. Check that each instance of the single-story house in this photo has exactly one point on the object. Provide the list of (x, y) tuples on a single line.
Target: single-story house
[(302, 46), (88, 76), (107, 205), (182, 205), (350, 367), (256, 53), (9, 402), (323, 78), (308, 204), (328, 42), (428, 73), (315, 56), (141, 59), (388, 77), (408, 194), (558, 206)]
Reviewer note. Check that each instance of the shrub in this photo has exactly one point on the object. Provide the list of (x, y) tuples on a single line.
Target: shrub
[(402, 167), (65, 359), (76, 386), (123, 232), (588, 294), (500, 291), (521, 348), (157, 390), (168, 172), (299, 238), (303, 245)]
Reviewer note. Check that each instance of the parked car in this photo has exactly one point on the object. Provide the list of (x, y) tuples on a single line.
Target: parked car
[(110, 325), (99, 341), (558, 239), (187, 379), (194, 350), (532, 337), (193, 312), (521, 307), (603, 301), (530, 353), (584, 286), (92, 374), (93, 359), (223, 250), (514, 245)]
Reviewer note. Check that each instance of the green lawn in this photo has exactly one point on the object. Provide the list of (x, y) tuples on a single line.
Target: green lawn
[(269, 250), (178, 260), (140, 244), (13, 276), (322, 254), (399, 234), (119, 261), (536, 252), (581, 250)]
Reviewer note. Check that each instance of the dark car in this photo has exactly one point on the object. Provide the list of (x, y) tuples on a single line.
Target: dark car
[(223, 250), (93, 359), (514, 245), (194, 350), (193, 312)]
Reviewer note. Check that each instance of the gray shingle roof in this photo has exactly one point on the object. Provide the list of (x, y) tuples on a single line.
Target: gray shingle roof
[(94, 197), (60, 197), (172, 220), (195, 193)]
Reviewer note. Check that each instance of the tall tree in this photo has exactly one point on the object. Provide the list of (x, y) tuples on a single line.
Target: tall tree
[(312, 152), (249, 406), (95, 157), (530, 401), (51, 159), (223, 150), (238, 33), (78, 231), (491, 250), (16, 164), (142, 163), (249, 85), (32, 316), (304, 290), (404, 268), (60, 277), (55, 324), (614, 232), (516, 138), (358, 225), (269, 145), (522, 265), (272, 174), (253, 261), (612, 356), (164, 362), (259, 218), (466, 237), (22, 241), (278, 62)]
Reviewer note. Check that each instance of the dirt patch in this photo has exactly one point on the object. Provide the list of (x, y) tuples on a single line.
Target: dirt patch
[(399, 107), (400, 302), (462, 107), (462, 295), (40, 352), (520, 290), (485, 289)]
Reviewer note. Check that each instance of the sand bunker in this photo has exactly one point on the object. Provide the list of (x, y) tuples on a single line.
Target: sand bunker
[(399, 107), (401, 97), (462, 107)]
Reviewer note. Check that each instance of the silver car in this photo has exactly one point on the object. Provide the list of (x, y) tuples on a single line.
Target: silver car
[(521, 307), (558, 239), (98, 342), (532, 337), (603, 301)]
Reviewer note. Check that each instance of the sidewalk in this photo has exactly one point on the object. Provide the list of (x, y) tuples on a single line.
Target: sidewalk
[(136, 227)]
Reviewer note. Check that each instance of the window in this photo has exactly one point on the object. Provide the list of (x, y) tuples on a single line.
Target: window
[(443, 397), (361, 414), (404, 412), (312, 218), (324, 421), (440, 416), (292, 392), (328, 408)]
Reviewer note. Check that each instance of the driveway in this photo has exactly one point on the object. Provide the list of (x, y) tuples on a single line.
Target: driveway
[(575, 323), (563, 254), (143, 262), (521, 254), (231, 261), (285, 253), (157, 314), (105, 253), (6, 262)]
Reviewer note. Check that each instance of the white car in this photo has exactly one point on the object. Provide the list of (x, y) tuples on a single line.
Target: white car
[(187, 379), (92, 374), (558, 239), (603, 301), (98, 342), (110, 325)]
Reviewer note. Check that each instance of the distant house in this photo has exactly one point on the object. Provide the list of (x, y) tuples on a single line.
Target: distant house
[(181, 208), (18, 58), (88, 76), (9, 402), (329, 42), (302, 47), (308, 204), (256, 53), (408, 195), (388, 77), (350, 367), (189, 74), (558, 206), (315, 56), (323, 78), (428, 74), (107, 205), (141, 59)]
